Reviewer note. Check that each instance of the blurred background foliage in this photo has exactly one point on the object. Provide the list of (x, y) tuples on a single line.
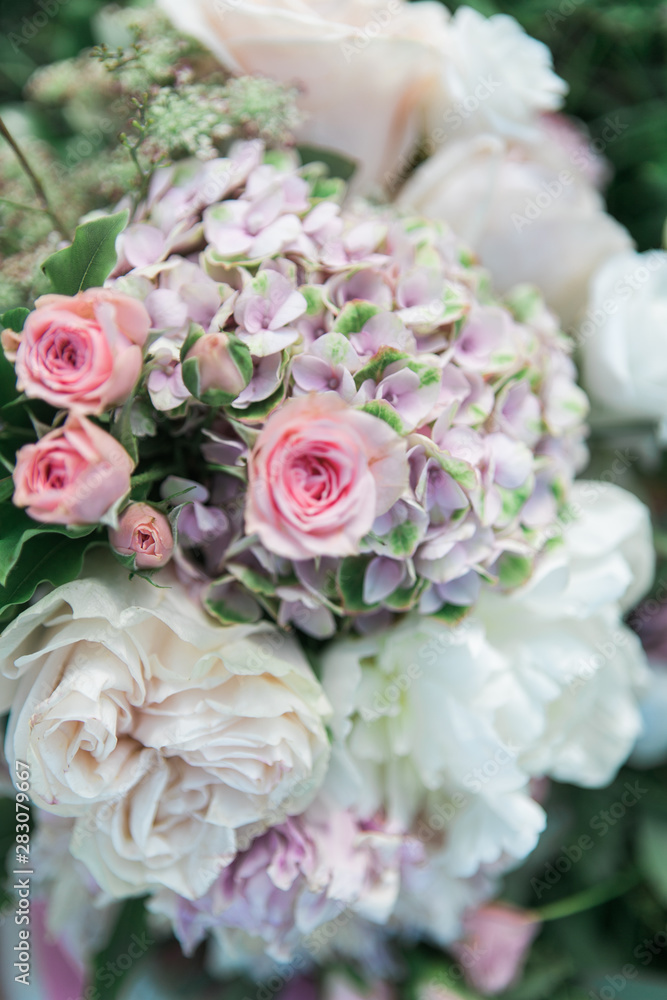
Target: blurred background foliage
[(613, 55), (614, 58)]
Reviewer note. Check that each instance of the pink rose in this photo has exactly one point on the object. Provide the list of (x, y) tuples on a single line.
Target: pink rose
[(145, 533), (73, 475), (319, 475), (83, 352), (500, 937)]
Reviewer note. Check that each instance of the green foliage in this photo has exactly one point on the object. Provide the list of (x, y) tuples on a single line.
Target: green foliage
[(90, 259)]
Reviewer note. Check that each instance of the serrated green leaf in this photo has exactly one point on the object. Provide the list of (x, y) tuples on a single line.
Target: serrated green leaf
[(90, 259), (18, 528), (14, 319), (41, 563)]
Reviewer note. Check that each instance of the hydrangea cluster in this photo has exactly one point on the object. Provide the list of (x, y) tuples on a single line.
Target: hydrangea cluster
[(298, 313)]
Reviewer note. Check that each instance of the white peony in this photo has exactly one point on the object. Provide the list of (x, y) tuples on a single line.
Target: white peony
[(526, 209), (623, 338), (333, 51), (415, 735), (163, 732), (498, 77), (577, 671)]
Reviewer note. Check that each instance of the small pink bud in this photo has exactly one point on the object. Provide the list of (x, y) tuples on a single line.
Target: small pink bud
[(218, 369), (145, 533)]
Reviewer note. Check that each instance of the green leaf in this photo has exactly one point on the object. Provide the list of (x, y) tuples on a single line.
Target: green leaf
[(18, 528), (41, 563), (14, 319), (8, 390), (514, 570), (129, 930), (6, 490), (336, 164), (90, 259)]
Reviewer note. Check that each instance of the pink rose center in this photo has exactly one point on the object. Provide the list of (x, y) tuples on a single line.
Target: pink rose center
[(144, 540), (64, 348), (311, 477), (54, 470)]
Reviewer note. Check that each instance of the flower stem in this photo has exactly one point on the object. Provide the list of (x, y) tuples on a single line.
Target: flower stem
[(589, 898), (34, 180)]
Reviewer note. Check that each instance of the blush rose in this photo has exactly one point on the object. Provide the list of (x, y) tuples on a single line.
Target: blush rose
[(73, 475), (82, 352), (145, 533), (319, 475)]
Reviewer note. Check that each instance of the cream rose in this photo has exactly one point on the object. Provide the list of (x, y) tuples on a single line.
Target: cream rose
[(127, 696), (333, 52), (526, 209)]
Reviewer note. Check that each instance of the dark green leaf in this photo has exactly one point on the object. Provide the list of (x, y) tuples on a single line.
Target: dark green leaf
[(14, 319), (18, 528), (129, 932), (45, 559), (90, 259)]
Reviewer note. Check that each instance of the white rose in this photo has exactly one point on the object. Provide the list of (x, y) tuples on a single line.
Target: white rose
[(415, 736), (333, 51), (623, 337), (132, 703), (576, 670), (526, 210), (498, 77)]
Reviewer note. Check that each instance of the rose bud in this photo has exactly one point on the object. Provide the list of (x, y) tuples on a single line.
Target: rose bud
[(216, 367), (82, 352), (73, 475), (144, 533)]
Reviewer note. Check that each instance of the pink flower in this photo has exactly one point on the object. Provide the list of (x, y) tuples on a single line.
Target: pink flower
[(145, 533), (73, 475), (82, 352), (319, 475), (499, 937)]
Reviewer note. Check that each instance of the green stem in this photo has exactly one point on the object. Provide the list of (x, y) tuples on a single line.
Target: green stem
[(588, 898), (23, 208), (152, 475), (34, 180)]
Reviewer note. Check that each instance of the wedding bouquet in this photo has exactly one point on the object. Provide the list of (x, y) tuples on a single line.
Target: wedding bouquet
[(302, 604)]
